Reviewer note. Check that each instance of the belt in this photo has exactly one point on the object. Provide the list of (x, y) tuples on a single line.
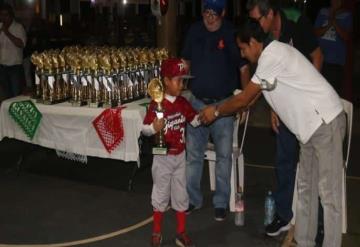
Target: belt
[(209, 101)]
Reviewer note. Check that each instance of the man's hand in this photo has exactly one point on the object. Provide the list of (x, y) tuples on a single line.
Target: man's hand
[(207, 115), (275, 122), (158, 124)]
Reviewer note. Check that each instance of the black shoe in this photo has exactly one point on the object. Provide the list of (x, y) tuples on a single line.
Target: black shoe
[(277, 226), (220, 214), (191, 208)]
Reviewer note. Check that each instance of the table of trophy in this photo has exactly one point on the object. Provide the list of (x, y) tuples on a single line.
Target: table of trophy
[(74, 86)]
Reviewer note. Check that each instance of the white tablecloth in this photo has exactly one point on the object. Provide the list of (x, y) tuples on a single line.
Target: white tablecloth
[(67, 128)]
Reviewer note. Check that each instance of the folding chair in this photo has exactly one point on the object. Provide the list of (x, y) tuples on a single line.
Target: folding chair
[(348, 108), (237, 156)]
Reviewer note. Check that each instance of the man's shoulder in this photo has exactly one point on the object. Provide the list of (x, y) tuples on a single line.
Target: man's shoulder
[(17, 26), (277, 49)]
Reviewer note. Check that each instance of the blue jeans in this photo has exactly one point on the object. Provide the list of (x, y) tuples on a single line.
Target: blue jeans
[(287, 155), (221, 132), (12, 79)]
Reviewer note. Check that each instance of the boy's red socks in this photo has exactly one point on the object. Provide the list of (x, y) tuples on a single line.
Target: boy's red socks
[(158, 217), (181, 221)]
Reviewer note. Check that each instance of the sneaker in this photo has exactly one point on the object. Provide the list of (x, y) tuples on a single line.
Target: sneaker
[(277, 226), (220, 214), (156, 239), (183, 240), (191, 208)]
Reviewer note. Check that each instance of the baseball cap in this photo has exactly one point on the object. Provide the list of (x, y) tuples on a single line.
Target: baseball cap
[(173, 67), (215, 5)]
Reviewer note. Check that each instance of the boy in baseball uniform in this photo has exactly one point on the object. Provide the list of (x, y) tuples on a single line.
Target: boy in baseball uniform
[(168, 171)]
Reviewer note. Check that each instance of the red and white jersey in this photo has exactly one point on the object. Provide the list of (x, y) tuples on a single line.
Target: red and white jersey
[(176, 115)]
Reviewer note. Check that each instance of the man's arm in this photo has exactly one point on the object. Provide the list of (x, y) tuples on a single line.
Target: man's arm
[(317, 58), (16, 41), (344, 32), (234, 104), (244, 75)]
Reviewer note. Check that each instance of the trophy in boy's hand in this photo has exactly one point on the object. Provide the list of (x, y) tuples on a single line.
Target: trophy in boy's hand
[(156, 92)]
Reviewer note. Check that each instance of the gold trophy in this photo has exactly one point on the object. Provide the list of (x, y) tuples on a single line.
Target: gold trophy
[(37, 60), (95, 93), (156, 92), (105, 65), (48, 85)]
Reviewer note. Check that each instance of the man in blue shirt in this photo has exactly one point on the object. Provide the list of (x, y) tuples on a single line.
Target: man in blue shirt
[(333, 27), (214, 59)]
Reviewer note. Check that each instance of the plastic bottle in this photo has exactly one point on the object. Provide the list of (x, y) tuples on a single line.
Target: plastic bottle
[(269, 209), (239, 208)]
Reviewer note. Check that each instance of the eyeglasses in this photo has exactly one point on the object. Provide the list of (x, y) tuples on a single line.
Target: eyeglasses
[(210, 13), (259, 18)]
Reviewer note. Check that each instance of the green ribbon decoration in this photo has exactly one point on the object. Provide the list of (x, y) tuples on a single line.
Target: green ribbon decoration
[(26, 115)]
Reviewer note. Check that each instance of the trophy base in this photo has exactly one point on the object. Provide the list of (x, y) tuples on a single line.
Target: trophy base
[(159, 150), (48, 102), (78, 103), (106, 105), (94, 104)]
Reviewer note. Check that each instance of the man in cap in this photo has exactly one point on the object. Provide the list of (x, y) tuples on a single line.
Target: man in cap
[(211, 53)]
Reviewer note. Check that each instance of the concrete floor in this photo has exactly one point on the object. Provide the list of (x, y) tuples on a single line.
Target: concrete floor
[(56, 202)]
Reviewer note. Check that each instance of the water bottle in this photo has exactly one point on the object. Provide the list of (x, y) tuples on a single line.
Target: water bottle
[(269, 208), (239, 208)]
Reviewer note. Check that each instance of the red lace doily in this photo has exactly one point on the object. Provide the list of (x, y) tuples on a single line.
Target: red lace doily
[(110, 128)]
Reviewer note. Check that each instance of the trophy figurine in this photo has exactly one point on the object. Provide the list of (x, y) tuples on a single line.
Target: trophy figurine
[(156, 92)]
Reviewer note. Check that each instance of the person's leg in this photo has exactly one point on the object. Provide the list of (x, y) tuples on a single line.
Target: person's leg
[(329, 149), (222, 133), (196, 143), (287, 152), (16, 79), (179, 196), (307, 204), (4, 82), (161, 173)]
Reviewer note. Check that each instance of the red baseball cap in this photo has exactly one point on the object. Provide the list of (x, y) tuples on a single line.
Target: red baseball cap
[(173, 67)]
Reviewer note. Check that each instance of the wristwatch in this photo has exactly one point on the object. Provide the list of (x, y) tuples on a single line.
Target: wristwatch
[(216, 112)]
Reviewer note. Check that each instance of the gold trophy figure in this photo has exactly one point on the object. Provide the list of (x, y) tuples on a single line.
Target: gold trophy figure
[(95, 96), (48, 85), (64, 76), (105, 65), (58, 87), (37, 60), (144, 61), (156, 92), (123, 82), (115, 63)]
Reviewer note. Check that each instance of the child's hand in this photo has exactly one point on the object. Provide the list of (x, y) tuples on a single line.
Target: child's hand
[(158, 124)]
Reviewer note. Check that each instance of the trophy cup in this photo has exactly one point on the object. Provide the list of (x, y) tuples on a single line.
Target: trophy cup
[(156, 92)]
